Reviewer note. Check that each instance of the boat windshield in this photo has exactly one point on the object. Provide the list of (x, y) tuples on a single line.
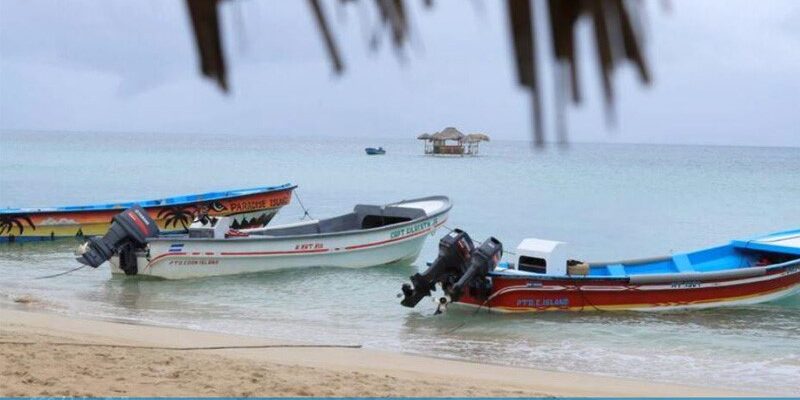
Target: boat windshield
[(362, 217)]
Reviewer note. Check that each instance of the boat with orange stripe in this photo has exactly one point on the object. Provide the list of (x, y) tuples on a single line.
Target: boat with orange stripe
[(543, 278), (370, 235), (247, 208)]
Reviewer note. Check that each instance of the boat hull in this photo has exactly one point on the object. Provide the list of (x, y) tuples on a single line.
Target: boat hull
[(532, 294), (192, 258), (250, 209)]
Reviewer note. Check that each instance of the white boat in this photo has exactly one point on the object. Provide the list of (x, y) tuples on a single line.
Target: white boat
[(369, 236)]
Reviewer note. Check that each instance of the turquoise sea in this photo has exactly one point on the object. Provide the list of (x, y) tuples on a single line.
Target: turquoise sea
[(606, 201)]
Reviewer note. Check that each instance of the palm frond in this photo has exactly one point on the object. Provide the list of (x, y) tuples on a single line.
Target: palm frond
[(617, 36)]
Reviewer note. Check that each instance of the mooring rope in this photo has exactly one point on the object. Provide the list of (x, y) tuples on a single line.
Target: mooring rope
[(305, 210), (126, 346), (60, 273)]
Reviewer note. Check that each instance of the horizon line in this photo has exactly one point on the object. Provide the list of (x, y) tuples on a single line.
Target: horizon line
[(549, 144)]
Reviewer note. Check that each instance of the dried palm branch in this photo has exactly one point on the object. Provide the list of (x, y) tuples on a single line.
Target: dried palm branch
[(616, 30)]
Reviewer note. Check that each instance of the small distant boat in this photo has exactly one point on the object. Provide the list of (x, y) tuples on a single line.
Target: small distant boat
[(750, 271), (372, 151), (371, 235), (249, 208)]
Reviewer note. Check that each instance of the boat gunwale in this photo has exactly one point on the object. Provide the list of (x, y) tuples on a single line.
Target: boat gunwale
[(765, 236), (693, 276), (447, 205), (163, 202)]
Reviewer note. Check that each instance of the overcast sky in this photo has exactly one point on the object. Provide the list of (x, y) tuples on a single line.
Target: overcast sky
[(726, 72)]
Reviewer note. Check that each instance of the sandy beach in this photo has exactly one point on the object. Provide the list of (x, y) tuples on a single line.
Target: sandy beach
[(52, 355)]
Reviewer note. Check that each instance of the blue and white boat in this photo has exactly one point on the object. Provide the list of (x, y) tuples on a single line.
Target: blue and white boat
[(372, 151)]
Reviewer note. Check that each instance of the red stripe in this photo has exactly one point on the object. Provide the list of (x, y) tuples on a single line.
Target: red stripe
[(258, 253), (165, 255), (138, 222)]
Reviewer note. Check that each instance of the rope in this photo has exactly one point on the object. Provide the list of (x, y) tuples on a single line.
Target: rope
[(305, 210), (125, 346), (583, 297), (60, 273), (474, 313)]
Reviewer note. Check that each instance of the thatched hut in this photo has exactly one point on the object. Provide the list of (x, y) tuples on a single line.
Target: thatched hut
[(473, 141), (476, 138), (428, 143), (449, 141), (452, 141), (448, 133)]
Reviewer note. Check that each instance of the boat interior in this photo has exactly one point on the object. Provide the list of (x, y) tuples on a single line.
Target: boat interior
[(362, 217), (775, 249), (709, 260)]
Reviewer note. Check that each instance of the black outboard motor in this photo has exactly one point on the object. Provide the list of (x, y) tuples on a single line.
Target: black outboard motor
[(484, 259), (129, 230), (455, 249)]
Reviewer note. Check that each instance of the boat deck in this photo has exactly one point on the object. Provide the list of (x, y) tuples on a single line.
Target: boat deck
[(781, 242), (363, 218), (764, 250)]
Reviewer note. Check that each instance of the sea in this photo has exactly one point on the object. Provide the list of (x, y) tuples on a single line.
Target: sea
[(607, 201)]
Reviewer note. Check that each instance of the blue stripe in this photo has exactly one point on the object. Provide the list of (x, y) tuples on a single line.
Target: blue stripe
[(169, 201)]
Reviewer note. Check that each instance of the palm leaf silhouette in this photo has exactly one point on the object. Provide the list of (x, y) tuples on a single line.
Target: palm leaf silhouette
[(9, 222), (174, 216), (617, 32)]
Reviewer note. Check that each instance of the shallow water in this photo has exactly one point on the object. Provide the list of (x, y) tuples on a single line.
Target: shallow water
[(607, 201)]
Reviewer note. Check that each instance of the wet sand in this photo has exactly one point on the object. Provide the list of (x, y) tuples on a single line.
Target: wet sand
[(45, 354)]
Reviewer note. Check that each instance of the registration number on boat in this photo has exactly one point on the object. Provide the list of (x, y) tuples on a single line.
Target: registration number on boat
[(539, 303), (308, 246), (194, 262), (408, 230), (686, 284)]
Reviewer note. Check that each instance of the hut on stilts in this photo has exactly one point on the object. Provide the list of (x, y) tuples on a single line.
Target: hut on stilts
[(473, 141), (450, 141)]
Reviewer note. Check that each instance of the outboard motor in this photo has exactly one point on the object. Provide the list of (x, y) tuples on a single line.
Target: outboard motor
[(484, 259), (129, 230), (455, 249)]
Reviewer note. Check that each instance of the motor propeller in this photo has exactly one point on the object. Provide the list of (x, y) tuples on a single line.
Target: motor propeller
[(454, 251), (458, 268)]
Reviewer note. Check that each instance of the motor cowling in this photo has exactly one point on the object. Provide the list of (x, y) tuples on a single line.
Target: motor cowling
[(455, 249), (484, 259), (129, 229)]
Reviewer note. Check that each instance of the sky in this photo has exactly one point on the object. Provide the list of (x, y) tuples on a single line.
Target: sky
[(725, 72)]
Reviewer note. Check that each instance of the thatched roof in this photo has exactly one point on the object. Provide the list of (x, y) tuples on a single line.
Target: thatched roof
[(476, 137), (424, 136), (448, 133)]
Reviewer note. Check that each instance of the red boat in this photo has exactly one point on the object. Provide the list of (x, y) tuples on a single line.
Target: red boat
[(542, 278)]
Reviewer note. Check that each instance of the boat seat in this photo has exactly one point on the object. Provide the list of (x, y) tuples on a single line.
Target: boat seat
[(682, 263), (616, 269), (389, 211), (377, 216), (338, 224)]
